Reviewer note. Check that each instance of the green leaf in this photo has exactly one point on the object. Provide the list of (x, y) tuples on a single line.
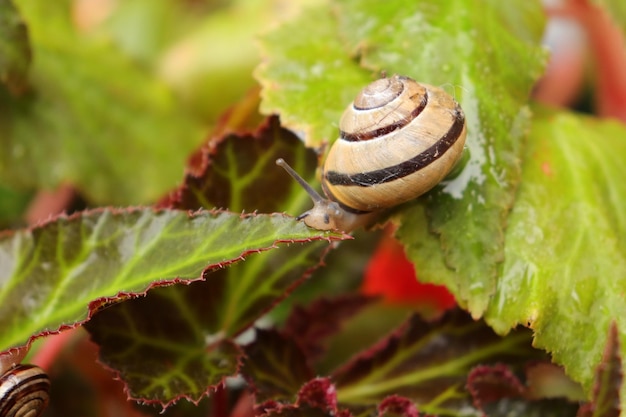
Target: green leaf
[(13, 204), (429, 363), (15, 51), (565, 267), (209, 314), (307, 76), (51, 274), (239, 172), (424, 249), (162, 347), (236, 171), (487, 57), (95, 118), (202, 65), (469, 211), (183, 39)]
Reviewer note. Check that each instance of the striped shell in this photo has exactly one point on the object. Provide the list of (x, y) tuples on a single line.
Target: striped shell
[(399, 138), (24, 391)]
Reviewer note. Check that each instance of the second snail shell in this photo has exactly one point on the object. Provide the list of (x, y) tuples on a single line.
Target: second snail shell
[(398, 139), (23, 391)]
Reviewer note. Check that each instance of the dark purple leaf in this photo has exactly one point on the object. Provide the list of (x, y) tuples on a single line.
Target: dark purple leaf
[(423, 360), (313, 324), (275, 366)]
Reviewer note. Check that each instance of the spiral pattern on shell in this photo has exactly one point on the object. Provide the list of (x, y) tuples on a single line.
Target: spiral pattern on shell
[(24, 391), (399, 138)]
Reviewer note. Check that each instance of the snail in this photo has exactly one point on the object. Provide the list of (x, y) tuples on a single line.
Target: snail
[(23, 391), (398, 139)]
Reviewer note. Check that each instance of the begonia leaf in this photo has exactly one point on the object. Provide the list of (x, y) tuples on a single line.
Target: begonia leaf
[(230, 300), (276, 367), (483, 56), (565, 252), (56, 274), (428, 363), (88, 104)]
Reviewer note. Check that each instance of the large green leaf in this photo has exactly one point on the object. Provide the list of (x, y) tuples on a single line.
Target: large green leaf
[(179, 341), (308, 80), (488, 57), (492, 84), (565, 269), (210, 314), (53, 275)]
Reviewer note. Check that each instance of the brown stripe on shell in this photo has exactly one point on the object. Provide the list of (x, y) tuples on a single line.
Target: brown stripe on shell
[(375, 133), (408, 167)]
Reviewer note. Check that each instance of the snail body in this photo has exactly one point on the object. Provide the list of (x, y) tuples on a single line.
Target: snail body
[(23, 391), (398, 139)]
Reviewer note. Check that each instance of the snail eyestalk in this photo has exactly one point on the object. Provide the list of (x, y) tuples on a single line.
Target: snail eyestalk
[(325, 214), (310, 191)]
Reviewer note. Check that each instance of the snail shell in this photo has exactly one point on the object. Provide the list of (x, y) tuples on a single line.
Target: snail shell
[(24, 391), (398, 139)]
